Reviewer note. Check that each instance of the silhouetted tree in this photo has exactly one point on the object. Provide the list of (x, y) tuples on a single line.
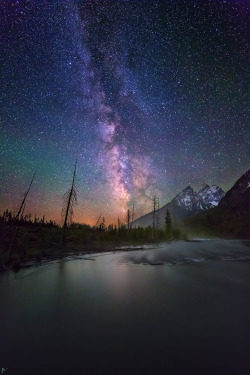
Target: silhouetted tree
[(128, 218), (19, 215), (155, 216), (98, 221), (133, 216), (168, 225), (102, 225), (69, 200), (25, 197)]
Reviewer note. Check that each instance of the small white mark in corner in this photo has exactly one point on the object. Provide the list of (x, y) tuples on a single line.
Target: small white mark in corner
[(4, 369)]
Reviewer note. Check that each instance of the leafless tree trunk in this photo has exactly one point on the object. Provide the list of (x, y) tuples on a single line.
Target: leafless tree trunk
[(25, 197), (154, 211), (69, 200), (97, 223), (133, 216), (13, 232), (157, 215), (128, 218)]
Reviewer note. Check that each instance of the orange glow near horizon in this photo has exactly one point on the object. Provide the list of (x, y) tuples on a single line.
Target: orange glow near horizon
[(83, 216)]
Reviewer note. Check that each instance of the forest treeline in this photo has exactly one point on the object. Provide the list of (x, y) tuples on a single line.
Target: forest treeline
[(26, 220), (28, 236), (23, 236)]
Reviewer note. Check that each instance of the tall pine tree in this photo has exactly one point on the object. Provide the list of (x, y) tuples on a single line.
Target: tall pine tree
[(168, 225)]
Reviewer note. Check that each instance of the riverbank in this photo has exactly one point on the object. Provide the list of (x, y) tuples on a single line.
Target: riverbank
[(24, 243), (174, 255), (48, 255)]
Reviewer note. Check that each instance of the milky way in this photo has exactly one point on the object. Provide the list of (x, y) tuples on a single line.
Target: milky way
[(148, 96)]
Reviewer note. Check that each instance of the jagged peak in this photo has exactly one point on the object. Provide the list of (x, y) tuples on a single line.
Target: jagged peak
[(188, 189), (205, 187)]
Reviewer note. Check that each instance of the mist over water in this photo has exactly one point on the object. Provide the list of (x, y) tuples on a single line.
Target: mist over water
[(199, 250), (179, 308)]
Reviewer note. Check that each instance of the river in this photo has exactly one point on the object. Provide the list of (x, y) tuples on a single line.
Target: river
[(177, 308)]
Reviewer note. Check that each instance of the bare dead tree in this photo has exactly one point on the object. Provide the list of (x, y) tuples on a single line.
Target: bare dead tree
[(128, 220), (98, 222), (155, 216), (69, 201), (25, 197), (20, 212), (154, 210), (133, 216), (157, 213), (103, 225), (128, 217)]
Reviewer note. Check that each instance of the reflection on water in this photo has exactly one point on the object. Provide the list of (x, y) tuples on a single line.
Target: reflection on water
[(118, 315)]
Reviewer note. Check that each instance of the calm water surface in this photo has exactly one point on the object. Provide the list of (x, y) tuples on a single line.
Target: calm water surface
[(180, 308)]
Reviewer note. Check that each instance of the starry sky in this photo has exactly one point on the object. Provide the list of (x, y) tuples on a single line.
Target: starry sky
[(148, 96)]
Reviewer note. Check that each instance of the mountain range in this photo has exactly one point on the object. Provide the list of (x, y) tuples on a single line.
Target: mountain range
[(210, 207), (230, 219), (186, 203)]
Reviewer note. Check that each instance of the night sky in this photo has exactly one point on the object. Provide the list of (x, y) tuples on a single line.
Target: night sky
[(148, 96)]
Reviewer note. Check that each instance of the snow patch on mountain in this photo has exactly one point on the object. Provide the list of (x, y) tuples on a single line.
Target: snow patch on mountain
[(211, 196), (188, 202)]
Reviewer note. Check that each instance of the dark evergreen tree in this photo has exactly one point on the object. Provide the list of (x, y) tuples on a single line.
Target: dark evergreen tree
[(168, 225), (102, 225)]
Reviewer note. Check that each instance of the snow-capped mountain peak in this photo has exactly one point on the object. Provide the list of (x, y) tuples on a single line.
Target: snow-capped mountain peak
[(207, 197), (187, 189), (211, 196), (203, 191), (188, 202), (188, 199)]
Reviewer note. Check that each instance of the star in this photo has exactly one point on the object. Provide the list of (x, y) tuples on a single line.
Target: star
[(148, 96)]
